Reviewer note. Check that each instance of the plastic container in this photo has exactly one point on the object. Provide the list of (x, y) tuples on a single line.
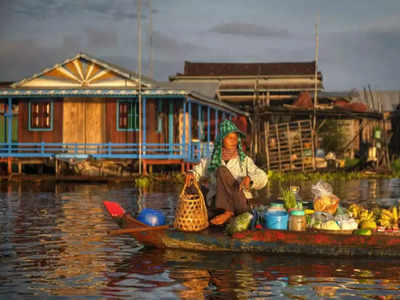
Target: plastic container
[(320, 153), (297, 221), (151, 217), (377, 133), (276, 220), (276, 207)]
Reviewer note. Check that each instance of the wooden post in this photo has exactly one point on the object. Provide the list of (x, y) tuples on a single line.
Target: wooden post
[(316, 79), (266, 134), (182, 166), (301, 145), (9, 165), (279, 147), (139, 33), (41, 168)]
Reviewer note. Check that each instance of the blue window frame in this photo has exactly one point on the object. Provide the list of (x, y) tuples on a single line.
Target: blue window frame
[(128, 115), (40, 115)]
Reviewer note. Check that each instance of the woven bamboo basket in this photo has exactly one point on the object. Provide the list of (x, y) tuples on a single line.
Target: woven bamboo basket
[(191, 212)]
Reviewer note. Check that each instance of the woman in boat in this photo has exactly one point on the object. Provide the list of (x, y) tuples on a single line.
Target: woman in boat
[(231, 175)]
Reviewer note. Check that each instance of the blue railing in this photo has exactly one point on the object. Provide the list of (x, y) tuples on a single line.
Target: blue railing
[(190, 152)]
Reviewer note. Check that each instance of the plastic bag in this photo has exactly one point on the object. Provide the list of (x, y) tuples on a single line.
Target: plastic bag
[(344, 219), (318, 218), (324, 199), (258, 217)]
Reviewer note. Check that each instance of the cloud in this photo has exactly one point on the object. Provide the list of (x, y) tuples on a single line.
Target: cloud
[(18, 63), (162, 68), (246, 29), (169, 46), (358, 58), (169, 54), (97, 38), (44, 9), (23, 58)]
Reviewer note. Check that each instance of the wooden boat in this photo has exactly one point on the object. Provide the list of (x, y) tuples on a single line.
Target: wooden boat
[(257, 241)]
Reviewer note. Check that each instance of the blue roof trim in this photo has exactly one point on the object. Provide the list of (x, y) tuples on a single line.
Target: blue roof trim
[(84, 92), (108, 93)]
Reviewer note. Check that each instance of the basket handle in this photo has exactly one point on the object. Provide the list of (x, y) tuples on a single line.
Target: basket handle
[(196, 185)]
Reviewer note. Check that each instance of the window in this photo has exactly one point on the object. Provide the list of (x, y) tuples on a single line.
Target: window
[(41, 115), (128, 115), (160, 115)]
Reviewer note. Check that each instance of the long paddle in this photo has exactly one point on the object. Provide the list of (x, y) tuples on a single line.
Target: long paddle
[(137, 229)]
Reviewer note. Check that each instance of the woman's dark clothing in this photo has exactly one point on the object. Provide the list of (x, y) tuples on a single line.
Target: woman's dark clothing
[(229, 196)]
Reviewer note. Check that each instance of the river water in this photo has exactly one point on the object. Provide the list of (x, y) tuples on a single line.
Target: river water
[(54, 245)]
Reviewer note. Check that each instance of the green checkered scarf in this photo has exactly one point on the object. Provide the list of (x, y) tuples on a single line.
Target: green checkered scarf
[(225, 127)]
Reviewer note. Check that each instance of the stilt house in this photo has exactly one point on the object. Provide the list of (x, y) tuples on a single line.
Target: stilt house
[(86, 107)]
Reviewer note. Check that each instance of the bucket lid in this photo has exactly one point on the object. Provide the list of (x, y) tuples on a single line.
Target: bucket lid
[(297, 212), (277, 213)]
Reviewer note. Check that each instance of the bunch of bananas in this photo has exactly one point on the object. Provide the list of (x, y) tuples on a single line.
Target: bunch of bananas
[(364, 217), (360, 213), (389, 218)]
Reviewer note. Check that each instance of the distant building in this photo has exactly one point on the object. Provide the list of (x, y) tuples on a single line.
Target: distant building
[(248, 84)]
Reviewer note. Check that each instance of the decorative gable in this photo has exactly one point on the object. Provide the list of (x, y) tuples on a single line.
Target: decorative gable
[(82, 71)]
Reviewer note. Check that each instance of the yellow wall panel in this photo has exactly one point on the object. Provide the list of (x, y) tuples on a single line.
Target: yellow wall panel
[(83, 122)]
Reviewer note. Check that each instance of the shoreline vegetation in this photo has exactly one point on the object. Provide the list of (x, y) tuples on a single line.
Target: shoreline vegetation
[(175, 177)]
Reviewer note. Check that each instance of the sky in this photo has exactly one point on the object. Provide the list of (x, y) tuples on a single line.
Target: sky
[(359, 40)]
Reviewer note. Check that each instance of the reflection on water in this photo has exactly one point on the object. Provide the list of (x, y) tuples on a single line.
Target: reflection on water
[(189, 275), (54, 242)]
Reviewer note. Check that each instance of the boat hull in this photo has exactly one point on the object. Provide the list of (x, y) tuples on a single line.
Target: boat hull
[(269, 241)]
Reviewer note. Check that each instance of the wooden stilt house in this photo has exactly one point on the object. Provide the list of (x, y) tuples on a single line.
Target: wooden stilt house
[(86, 107)]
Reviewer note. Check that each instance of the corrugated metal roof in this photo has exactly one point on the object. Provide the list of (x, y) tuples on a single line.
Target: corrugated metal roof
[(339, 94), (208, 89), (389, 100), (248, 69)]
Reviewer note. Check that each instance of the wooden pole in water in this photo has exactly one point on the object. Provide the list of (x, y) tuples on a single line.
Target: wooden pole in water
[(316, 79), (139, 82), (151, 62)]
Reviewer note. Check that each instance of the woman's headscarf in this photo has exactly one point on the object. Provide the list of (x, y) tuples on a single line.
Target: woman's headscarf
[(225, 127)]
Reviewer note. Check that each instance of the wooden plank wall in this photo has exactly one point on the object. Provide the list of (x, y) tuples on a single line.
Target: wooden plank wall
[(112, 135), (26, 136)]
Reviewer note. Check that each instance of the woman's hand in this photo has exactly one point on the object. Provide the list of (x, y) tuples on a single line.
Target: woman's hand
[(245, 184), (189, 178)]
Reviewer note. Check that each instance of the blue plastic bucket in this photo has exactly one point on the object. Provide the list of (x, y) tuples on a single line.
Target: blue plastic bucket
[(151, 217), (276, 220)]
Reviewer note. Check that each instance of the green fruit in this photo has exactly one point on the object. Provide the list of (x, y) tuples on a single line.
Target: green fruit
[(363, 232), (369, 224)]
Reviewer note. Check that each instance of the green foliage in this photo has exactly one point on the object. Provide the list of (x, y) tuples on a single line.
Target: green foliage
[(333, 136), (396, 167), (295, 178), (142, 182), (350, 163), (289, 199), (179, 178)]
